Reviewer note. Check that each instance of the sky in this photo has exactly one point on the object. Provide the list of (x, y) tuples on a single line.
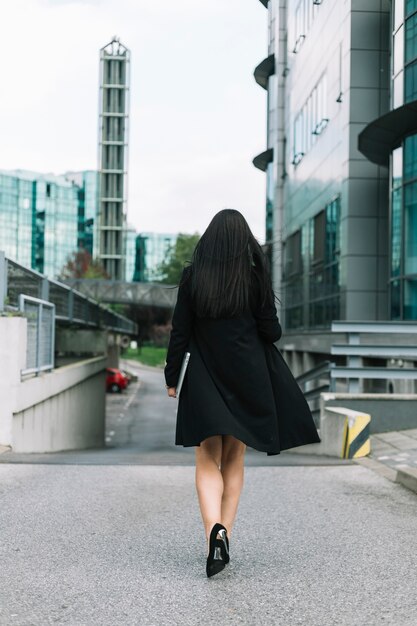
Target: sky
[(197, 116)]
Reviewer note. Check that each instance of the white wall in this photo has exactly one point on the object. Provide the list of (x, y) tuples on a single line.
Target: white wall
[(59, 410)]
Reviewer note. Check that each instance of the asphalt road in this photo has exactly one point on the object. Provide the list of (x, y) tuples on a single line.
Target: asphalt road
[(117, 541)]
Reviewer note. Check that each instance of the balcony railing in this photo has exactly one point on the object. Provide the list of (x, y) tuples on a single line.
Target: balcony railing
[(71, 306)]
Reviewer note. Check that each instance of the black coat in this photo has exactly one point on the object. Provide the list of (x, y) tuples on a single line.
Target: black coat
[(237, 381)]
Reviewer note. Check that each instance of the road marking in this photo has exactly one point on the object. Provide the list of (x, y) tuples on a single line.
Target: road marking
[(129, 402)]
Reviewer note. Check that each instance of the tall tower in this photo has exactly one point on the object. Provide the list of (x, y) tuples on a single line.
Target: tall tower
[(113, 148)]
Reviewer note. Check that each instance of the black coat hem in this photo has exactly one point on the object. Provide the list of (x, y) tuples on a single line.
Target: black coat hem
[(257, 447), (251, 445)]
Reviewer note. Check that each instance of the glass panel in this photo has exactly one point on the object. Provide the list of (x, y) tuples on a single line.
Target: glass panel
[(410, 6), (398, 13), (411, 82), (332, 230), (398, 91), (411, 38), (398, 51), (410, 299), (396, 232), (397, 167), (410, 158), (319, 236), (396, 300), (270, 188), (410, 229)]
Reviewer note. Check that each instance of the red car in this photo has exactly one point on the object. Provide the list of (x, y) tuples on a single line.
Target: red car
[(116, 381)]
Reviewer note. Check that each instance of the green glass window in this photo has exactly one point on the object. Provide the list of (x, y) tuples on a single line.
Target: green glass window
[(411, 38), (411, 82), (332, 229), (396, 232), (410, 299), (410, 7), (410, 229), (396, 300), (410, 158)]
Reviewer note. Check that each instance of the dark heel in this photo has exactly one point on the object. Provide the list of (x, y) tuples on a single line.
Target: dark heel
[(224, 541), (215, 559)]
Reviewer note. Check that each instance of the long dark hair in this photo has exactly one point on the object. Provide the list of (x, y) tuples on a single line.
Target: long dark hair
[(226, 261)]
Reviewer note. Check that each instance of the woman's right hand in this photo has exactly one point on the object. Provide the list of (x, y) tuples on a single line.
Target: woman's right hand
[(172, 392)]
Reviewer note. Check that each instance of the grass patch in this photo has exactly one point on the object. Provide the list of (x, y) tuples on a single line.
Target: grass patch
[(148, 355)]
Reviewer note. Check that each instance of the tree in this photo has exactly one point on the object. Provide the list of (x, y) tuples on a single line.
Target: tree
[(177, 255), (80, 264)]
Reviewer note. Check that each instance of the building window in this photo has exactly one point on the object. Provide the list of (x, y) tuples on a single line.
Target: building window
[(410, 299), (304, 14), (410, 158), (324, 283), (403, 228), (311, 120), (270, 192), (410, 6), (311, 270), (411, 82), (411, 38), (410, 229)]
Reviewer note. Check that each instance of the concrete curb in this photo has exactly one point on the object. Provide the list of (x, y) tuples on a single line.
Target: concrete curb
[(378, 468), (405, 477), (408, 478)]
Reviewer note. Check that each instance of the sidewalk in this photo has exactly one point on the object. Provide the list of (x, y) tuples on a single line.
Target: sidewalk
[(394, 455)]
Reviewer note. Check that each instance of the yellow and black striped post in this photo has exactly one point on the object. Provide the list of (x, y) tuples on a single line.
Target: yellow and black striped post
[(356, 440)]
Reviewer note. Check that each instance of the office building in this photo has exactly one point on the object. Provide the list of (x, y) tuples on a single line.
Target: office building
[(88, 197), (45, 218), (151, 250), (390, 141), (130, 246), (113, 144), (332, 229)]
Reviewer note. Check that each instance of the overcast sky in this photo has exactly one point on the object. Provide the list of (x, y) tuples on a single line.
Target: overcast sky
[(197, 115)]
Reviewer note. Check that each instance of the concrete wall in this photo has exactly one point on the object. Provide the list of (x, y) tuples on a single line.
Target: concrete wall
[(59, 410), (388, 411), (12, 361)]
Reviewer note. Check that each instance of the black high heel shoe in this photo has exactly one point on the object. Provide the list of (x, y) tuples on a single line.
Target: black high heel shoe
[(223, 543), (215, 560)]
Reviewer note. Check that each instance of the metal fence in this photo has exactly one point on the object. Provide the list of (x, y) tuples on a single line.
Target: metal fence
[(360, 346), (40, 334), (71, 306)]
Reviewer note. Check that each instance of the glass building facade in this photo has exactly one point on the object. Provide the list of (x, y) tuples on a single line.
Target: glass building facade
[(327, 76), (45, 218), (151, 250), (88, 201), (403, 166)]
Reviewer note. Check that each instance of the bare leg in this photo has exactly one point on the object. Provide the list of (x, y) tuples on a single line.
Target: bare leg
[(232, 469), (209, 481)]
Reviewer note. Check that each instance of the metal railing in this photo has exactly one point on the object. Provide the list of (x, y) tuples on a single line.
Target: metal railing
[(71, 306), (354, 371), (40, 334)]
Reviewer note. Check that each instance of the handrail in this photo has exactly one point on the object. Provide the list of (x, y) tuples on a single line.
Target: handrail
[(314, 372), (70, 304), (341, 326), (375, 350)]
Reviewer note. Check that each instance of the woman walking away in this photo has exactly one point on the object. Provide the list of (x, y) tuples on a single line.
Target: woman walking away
[(238, 390)]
